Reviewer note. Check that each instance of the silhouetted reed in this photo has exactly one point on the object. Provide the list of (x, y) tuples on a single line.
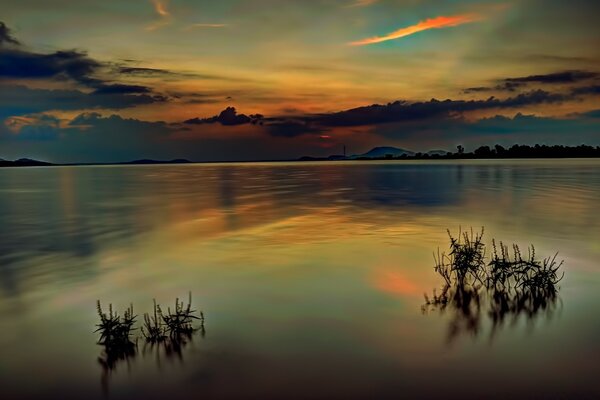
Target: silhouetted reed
[(509, 284), (170, 331), (173, 324), (115, 330), (154, 329), (180, 320)]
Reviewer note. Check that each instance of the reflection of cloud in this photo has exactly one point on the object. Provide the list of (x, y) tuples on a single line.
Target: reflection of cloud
[(431, 23), (395, 283)]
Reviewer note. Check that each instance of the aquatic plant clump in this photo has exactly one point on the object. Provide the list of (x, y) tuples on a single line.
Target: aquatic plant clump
[(180, 320), (153, 329), (115, 330), (173, 324), (509, 284)]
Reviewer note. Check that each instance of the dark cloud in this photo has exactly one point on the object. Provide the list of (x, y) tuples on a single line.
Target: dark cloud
[(289, 128), (122, 89), (227, 117), (524, 129), (71, 64), (476, 89), (404, 111), (21, 100), (17, 62), (144, 71), (557, 77), (591, 114), (585, 90), (89, 137), (376, 114), (5, 35)]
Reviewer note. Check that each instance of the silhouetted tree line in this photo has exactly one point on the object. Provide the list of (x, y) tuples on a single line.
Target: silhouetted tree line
[(516, 151)]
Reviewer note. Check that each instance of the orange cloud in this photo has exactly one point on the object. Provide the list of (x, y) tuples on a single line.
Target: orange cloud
[(431, 23), (160, 6), (195, 26), (362, 3)]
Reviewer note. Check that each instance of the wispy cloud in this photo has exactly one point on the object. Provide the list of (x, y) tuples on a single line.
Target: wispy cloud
[(160, 6), (201, 25), (362, 3), (431, 23)]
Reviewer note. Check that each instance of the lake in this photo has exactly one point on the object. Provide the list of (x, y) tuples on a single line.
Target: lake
[(311, 277)]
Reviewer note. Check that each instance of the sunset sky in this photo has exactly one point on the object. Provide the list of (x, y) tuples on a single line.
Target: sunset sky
[(103, 81)]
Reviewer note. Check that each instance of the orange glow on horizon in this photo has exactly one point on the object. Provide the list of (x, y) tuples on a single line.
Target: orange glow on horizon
[(431, 23)]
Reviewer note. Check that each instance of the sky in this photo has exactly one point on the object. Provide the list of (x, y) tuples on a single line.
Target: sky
[(109, 81)]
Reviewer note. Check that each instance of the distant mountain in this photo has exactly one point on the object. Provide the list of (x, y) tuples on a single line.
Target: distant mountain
[(22, 162), (383, 151), (148, 161)]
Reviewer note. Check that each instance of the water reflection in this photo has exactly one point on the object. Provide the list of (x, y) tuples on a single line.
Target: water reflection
[(271, 249)]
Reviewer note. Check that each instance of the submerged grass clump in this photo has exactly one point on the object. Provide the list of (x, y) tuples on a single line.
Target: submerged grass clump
[(160, 326), (171, 329), (508, 284), (169, 332), (115, 330)]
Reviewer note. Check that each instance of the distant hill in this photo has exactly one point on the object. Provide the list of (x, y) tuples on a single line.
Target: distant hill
[(381, 152), (148, 161), (23, 162)]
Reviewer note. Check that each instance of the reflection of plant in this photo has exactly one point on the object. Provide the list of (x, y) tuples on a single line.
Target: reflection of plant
[(510, 284)]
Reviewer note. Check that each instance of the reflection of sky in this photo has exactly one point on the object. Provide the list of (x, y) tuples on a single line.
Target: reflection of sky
[(292, 263)]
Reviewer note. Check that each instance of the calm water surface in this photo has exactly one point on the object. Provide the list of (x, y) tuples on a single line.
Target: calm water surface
[(311, 277)]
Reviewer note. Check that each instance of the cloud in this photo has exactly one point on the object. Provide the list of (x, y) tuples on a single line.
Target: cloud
[(61, 65), (5, 35), (291, 128), (204, 25), (431, 23), (21, 100), (34, 127), (122, 89), (585, 90), (89, 137), (396, 112), (19, 63), (556, 77), (160, 6), (362, 3), (523, 129), (142, 71), (405, 111), (161, 9), (227, 117)]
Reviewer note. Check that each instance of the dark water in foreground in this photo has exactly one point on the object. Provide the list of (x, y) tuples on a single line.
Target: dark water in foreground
[(311, 277)]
